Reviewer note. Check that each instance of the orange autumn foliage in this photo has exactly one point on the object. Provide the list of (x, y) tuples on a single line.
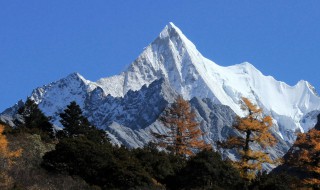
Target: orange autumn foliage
[(5, 153), (184, 134), (305, 155), (6, 159), (255, 128)]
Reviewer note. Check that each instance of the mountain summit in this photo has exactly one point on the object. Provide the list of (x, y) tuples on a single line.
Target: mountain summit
[(174, 57), (169, 66)]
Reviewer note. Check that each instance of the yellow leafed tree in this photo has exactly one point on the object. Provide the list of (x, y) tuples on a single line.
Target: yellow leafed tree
[(255, 128), (6, 158), (184, 134), (305, 155)]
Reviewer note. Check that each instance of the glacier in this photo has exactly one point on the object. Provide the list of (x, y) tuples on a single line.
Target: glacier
[(127, 105)]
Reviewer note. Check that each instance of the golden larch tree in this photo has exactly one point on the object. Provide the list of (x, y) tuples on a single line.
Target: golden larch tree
[(255, 128), (305, 156), (6, 158), (184, 135)]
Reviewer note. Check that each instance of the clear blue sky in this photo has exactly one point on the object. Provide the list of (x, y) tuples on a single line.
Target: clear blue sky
[(43, 41)]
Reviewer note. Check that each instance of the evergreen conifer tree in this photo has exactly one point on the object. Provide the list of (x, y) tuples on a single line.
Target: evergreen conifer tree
[(34, 118), (75, 124), (73, 121)]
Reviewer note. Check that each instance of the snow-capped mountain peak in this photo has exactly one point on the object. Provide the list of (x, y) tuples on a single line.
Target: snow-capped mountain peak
[(77, 76), (171, 65), (170, 30), (172, 56), (176, 58), (174, 34)]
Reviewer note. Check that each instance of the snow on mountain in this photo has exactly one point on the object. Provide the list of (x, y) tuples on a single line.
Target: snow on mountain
[(53, 98), (9, 115), (127, 105), (310, 119), (116, 89), (137, 109), (174, 57)]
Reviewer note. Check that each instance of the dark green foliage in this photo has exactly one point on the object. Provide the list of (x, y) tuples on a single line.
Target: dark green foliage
[(73, 121), (26, 172), (34, 120), (97, 135), (128, 171), (317, 126), (73, 153), (273, 181), (75, 124), (85, 151), (207, 170), (160, 165), (78, 156), (98, 164)]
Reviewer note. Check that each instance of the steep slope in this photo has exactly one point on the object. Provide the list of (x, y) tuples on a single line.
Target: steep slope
[(174, 57), (136, 110), (216, 121), (53, 98), (171, 65)]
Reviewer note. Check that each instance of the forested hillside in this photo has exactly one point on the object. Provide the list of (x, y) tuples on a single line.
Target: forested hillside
[(80, 156)]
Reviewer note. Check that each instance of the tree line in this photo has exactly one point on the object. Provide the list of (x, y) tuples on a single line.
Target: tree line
[(178, 158)]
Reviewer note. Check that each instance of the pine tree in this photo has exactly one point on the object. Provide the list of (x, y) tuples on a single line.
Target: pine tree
[(305, 156), (184, 135), (75, 124), (34, 119), (255, 128), (73, 121)]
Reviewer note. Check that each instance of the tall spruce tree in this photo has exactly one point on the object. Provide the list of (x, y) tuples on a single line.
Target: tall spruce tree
[(184, 135), (34, 118), (255, 129), (73, 121), (75, 124)]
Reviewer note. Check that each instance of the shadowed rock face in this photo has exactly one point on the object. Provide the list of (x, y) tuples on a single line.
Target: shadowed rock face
[(317, 126), (129, 120), (215, 119), (136, 110)]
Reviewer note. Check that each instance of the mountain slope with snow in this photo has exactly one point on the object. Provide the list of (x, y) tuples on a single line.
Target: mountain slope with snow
[(174, 57), (172, 65)]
